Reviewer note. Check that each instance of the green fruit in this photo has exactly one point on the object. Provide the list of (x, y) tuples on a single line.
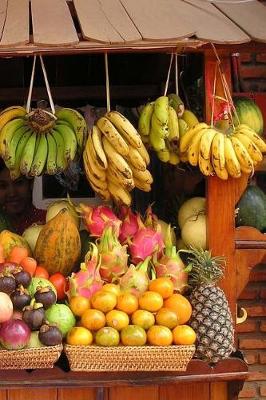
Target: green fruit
[(61, 316), (133, 335), (248, 113), (107, 336), (252, 208), (34, 340)]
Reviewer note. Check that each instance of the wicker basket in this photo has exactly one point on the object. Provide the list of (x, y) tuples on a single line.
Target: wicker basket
[(129, 358), (41, 357)]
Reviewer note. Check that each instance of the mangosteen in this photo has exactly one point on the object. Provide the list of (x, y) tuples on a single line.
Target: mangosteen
[(20, 298), (46, 296), (22, 278), (7, 283), (33, 315), (10, 267), (50, 335)]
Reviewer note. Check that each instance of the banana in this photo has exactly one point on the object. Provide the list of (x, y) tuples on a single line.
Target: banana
[(119, 180), (70, 141), (156, 141), (183, 127), (159, 129), (242, 154), (177, 104), (231, 162), (144, 124), (218, 149), (205, 166), (77, 122), (188, 135), (222, 173), (125, 128), (15, 171), (60, 151), (40, 156), (190, 118), (161, 110), (173, 158), (10, 113), (163, 155), (91, 153), (28, 155), (141, 185), (245, 130), (251, 147), (116, 159), (144, 176), (7, 133), (11, 146), (135, 158), (119, 195), (183, 157), (173, 126), (99, 173), (144, 153), (96, 136), (103, 193), (92, 175), (193, 150), (51, 162), (111, 133), (206, 142)]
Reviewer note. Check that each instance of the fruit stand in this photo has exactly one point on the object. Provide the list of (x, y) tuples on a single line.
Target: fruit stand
[(80, 31)]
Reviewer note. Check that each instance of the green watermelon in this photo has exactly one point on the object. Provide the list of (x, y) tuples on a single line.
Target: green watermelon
[(248, 113), (252, 208)]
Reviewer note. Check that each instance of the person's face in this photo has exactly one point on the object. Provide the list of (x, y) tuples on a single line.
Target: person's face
[(15, 196)]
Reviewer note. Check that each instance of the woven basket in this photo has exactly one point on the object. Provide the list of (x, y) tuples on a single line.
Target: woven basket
[(129, 358), (41, 357)]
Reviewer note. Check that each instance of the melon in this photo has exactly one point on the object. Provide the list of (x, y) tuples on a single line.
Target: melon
[(251, 208), (190, 207), (248, 113)]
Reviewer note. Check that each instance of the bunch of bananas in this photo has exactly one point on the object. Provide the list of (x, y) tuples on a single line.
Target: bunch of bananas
[(222, 154), (39, 142), (115, 159)]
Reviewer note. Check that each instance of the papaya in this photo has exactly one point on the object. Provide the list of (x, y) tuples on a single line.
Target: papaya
[(251, 208), (248, 113), (10, 239), (58, 245)]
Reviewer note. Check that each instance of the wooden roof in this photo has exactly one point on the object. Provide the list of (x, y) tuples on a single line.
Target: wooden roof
[(29, 26)]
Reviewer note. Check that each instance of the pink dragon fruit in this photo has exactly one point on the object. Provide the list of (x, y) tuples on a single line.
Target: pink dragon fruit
[(170, 264), (145, 243), (136, 279), (130, 224), (97, 218), (87, 280), (151, 219), (113, 255)]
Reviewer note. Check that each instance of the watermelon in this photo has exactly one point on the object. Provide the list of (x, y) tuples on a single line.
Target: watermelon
[(249, 113), (252, 208)]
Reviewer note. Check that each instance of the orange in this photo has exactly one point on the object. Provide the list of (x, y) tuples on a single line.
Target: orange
[(166, 317), (111, 287), (79, 336), (133, 335), (162, 285), (143, 318), (107, 336), (150, 301), (127, 302), (103, 301), (93, 319), (159, 335), (78, 304), (184, 335), (180, 305), (117, 319)]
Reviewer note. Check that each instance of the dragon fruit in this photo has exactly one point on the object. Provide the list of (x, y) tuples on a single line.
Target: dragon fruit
[(87, 280), (145, 243), (97, 218), (170, 264), (136, 279), (113, 255), (152, 221), (130, 224)]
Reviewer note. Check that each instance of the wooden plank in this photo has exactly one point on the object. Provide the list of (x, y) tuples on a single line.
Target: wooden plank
[(32, 394), (94, 24), (3, 394), (159, 20), (16, 29), (130, 393), (52, 23), (77, 394), (212, 25), (218, 391), (249, 15), (3, 11), (194, 391)]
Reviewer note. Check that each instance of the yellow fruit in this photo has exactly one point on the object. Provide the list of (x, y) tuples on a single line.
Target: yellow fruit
[(107, 336), (162, 285), (184, 335), (104, 301), (166, 317), (117, 319), (127, 302), (150, 301), (79, 336), (181, 306), (159, 335), (78, 304), (93, 319), (112, 288), (133, 335), (143, 318)]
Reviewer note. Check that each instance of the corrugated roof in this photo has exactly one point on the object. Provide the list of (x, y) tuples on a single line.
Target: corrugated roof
[(145, 24)]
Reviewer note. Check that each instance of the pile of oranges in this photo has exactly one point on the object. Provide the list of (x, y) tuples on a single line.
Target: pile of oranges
[(157, 317)]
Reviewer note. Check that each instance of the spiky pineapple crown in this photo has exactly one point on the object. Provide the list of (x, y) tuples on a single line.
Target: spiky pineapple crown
[(204, 269)]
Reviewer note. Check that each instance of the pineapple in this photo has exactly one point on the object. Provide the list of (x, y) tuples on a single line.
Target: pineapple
[(211, 317)]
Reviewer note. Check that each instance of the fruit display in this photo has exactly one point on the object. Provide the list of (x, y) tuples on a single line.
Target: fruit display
[(249, 113), (251, 208), (40, 142), (115, 159)]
